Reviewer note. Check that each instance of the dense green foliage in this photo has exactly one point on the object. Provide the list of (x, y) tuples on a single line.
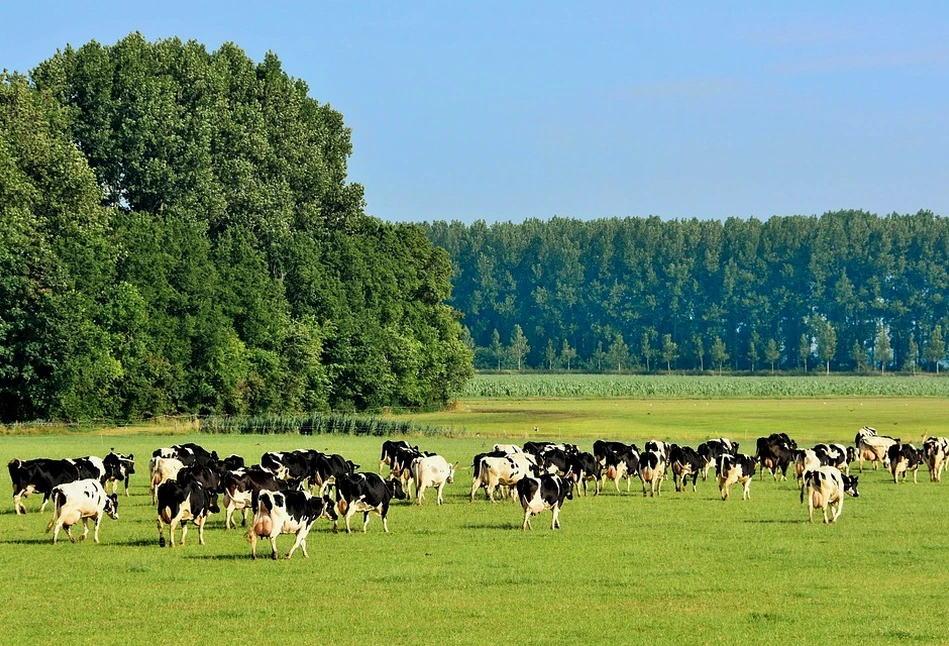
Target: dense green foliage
[(318, 424), (738, 294), (177, 234)]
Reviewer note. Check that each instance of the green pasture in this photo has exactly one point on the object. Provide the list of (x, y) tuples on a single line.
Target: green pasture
[(685, 567)]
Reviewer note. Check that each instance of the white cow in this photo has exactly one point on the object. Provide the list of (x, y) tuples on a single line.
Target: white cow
[(873, 448), (81, 500), (432, 471)]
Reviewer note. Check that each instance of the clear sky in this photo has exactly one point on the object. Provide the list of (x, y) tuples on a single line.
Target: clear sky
[(508, 110)]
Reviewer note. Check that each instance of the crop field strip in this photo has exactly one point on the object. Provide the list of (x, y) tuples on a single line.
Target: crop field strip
[(685, 566)]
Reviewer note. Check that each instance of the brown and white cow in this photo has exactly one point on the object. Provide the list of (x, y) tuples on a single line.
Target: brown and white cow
[(873, 448)]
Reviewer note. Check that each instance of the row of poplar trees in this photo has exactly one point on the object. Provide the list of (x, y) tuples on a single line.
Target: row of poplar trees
[(177, 234), (848, 290)]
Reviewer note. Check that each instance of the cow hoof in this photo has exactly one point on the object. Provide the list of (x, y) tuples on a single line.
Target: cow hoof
[(161, 542), (273, 555)]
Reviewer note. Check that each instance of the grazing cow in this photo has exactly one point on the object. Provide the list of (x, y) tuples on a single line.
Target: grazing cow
[(365, 492), (825, 488), (685, 461), (833, 455), (874, 448), (507, 449), (492, 470), (188, 454), (652, 469), (118, 468), (327, 468), (709, 451), (936, 453), (293, 466), (544, 492), (39, 475), (603, 448), (181, 501), (903, 458), (389, 449), (90, 466), (287, 512), (730, 469), (432, 471), (775, 452), (240, 486), (81, 500), (161, 470)]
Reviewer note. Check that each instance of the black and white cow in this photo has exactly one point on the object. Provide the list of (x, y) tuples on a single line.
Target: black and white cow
[(287, 512), (684, 462), (585, 467), (873, 447), (603, 448), (365, 492), (775, 453), (240, 486), (904, 458), (118, 468), (833, 455), (39, 475), (622, 465), (544, 492), (730, 469), (81, 500), (652, 468), (936, 453), (389, 449), (825, 488), (709, 451), (293, 466), (327, 468), (183, 501), (493, 470), (188, 453), (90, 466)]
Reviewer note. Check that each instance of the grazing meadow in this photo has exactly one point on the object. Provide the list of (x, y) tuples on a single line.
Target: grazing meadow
[(682, 567)]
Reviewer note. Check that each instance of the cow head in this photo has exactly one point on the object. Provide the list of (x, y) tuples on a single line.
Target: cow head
[(850, 485), (451, 473), (212, 504), (395, 486), (112, 506)]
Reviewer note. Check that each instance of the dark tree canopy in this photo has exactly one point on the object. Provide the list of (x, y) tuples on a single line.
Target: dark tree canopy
[(754, 286), (178, 234)]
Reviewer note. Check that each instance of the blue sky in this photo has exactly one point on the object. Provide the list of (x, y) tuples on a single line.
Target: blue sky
[(508, 110)]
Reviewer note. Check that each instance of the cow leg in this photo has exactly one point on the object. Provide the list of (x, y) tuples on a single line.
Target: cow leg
[(838, 508), (126, 486), (200, 521), (161, 533), (746, 493), (475, 485), (45, 500), (85, 529), (96, 521), (555, 523), (184, 532), (527, 519), (365, 522), (441, 489), (253, 544), (350, 512), (273, 546), (228, 512), (915, 471), (419, 493)]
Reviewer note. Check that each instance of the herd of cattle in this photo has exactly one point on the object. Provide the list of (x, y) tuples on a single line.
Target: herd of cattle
[(287, 492)]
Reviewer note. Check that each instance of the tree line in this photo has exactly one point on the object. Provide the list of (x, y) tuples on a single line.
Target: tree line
[(845, 291), (177, 234)]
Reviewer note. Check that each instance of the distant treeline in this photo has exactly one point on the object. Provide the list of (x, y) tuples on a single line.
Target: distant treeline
[(177, 234), (848, 290)]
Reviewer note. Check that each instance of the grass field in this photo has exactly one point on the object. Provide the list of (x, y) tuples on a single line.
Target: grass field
[(684, 567)]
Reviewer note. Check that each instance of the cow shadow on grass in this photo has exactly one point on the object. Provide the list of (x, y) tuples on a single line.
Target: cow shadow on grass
[(493, 526), (137, 542), (226, 557), (28, 541), (772, 521)]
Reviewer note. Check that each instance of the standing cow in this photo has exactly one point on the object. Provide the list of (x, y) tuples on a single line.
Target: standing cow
[(432, 471), (287, 512), (81, 500)]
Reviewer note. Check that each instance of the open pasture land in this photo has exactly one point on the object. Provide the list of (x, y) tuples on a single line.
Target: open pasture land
[(685, 567)]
